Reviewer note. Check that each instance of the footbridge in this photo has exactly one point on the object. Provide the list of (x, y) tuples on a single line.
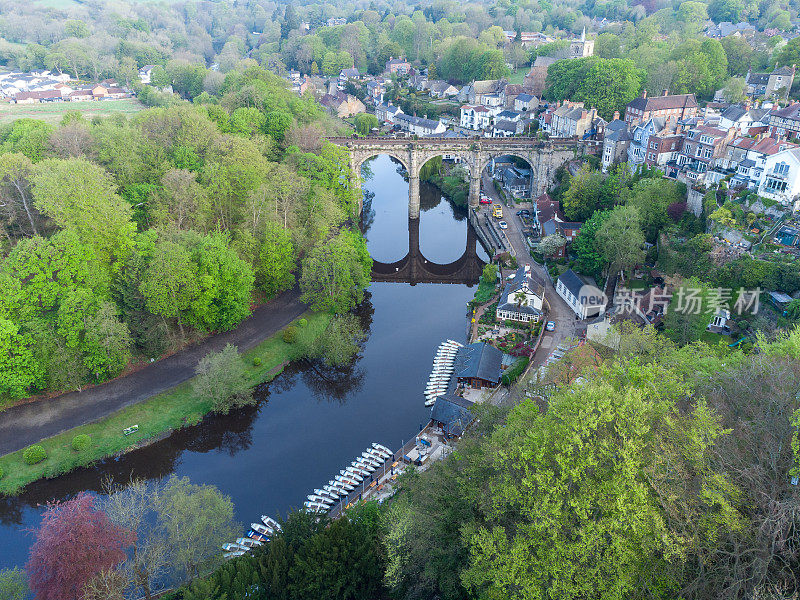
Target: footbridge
[(415, 268), (544, 158)]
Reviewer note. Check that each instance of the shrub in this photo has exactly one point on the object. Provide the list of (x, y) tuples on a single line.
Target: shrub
[(302, 322), (81, 442), (34, 454), (1, 472), (514, 371), (289, 335), (257, 361)]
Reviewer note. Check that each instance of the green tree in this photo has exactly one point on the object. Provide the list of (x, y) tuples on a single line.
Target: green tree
[(620, 238), (277, 261), (30, 137), (169, 284), (589, 259), (735, 90), (13, 584), (198, 519), (365, 123), (337, 345), (583, 197), (652, 196), (81, 196), (222, 378), (19, 369), (335, 274)]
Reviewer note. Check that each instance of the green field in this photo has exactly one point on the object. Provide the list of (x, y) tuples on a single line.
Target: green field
[(518, 75), (52, 112), (173, 409)]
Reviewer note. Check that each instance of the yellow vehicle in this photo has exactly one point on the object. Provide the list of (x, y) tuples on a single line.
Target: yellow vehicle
[(497, 211)]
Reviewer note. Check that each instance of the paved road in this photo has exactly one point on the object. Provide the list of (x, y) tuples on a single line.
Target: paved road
[(566, 324), (25, 424)]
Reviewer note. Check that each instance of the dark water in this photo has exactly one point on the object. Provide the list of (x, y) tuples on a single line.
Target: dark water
[(309, 422)]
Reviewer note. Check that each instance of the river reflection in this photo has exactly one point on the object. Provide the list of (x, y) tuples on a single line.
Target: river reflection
[(310, 421)]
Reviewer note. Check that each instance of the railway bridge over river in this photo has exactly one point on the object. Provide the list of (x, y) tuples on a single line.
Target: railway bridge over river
[(544, 158)]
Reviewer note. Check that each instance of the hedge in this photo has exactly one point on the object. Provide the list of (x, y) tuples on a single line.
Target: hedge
[(81, 442), (289, 334), (514, 371), (34, 454)]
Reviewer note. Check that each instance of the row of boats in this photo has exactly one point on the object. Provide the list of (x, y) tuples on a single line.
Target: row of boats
[(321, 500), (259, 534), (348, 479), (442, 372)]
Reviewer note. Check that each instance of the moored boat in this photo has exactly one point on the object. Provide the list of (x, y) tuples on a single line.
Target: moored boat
[(233, 554), (248, 542), (270, 523), (259, 528), (234, 547), (315, 506)]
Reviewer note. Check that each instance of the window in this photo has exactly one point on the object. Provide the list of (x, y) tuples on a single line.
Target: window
[(707, 153), (781, 168), (651, 156)]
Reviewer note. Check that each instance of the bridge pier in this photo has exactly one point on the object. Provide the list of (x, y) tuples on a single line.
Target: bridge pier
[(474, 189), (413, 197)]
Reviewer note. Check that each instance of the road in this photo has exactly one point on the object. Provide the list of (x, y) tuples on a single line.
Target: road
[(566, 324), (26, 424)]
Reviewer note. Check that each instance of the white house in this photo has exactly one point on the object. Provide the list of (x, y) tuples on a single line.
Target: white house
[(419, 125), (525, 102), (781, 179), (476, 117), (585, 299), (387, 113), (522, 298)]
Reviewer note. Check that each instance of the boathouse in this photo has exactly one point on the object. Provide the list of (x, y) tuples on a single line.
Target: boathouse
[(452, 413), (478, 365)]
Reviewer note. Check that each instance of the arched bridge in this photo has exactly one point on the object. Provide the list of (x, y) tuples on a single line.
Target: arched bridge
[(475, 153), (415, 268)]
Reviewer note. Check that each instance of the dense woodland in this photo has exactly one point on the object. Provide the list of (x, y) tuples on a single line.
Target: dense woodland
[(125, 239)]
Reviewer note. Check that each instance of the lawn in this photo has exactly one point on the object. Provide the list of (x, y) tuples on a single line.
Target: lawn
[(176, 408), (518, 75), (52, 112)]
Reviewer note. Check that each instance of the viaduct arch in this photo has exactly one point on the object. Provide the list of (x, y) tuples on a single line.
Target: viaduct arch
[(543, 156)]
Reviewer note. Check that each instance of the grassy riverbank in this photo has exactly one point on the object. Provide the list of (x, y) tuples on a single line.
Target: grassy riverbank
[(173, 409)]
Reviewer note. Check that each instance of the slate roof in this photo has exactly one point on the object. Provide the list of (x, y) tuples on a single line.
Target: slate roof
[(524, 97), (507, 301), (453, 410), (572, 282), (617, 131), (663, 102), (479, 360), (418, 121), (507, 115)]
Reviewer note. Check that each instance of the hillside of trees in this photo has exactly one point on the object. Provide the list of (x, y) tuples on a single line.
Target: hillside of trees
[(124, 239)]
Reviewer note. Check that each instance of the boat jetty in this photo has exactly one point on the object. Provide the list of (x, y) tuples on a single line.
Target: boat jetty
[(442, 372)]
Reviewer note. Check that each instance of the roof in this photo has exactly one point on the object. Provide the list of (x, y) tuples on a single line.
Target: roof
[(479, 360), (572, 282), (507, 114), (504, 125), (780, 297), (792, 111), (617, 131), (544, 61), (512, 287), (663, 102), (476, 108), (418, 121), (524, 97), (451, 409)]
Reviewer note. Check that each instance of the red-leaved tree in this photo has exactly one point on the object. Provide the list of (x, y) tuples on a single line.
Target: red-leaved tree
[(75, 542)]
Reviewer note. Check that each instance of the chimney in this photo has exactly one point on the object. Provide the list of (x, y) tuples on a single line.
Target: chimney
[(616, 115), (665, 93), (747, 105), (644, 93)]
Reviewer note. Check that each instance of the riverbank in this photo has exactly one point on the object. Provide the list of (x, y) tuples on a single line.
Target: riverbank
[(155, 417)]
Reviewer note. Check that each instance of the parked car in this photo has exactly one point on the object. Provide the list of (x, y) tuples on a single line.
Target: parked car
[(551, 326), (503, 225), (485, 200)]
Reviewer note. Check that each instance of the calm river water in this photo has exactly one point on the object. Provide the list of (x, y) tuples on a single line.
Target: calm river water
[(309, 422)]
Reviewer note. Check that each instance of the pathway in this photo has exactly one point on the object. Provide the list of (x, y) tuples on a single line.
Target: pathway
[(25, 424)]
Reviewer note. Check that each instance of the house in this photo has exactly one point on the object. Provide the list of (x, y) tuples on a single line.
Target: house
[(748, 156), (452, 413), (521, 299), (475, 117), (720, 321), (515, 181), (581, 48), (583, 297), (504, 128), (788, 236), (726, 28), (525, 102), (654, 143), (334, 21), (36, 97), (487, 92), (678, 106), (343, 105), (442, 89), (785, 122), (346, 75), (419, 82), (571, 119), (375, 89), (144, 74), (397, 66), (779, 300), (743, 118), (703, 146), (616, 139), (534, 81), (418, 125), (770, 85), (387, 112), (478, 365), (781, 179)]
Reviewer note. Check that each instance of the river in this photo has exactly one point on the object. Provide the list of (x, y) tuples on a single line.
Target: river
[(309, 423)]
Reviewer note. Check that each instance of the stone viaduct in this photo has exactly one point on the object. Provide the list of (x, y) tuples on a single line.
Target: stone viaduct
[(544, 158)]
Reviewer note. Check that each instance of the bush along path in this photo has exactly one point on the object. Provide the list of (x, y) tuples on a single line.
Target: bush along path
[(25, 424)]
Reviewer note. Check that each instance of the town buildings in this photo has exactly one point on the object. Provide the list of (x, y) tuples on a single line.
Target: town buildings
[(678, 107), (770, 85), (418, 125), (521, 299), (580, 294)]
